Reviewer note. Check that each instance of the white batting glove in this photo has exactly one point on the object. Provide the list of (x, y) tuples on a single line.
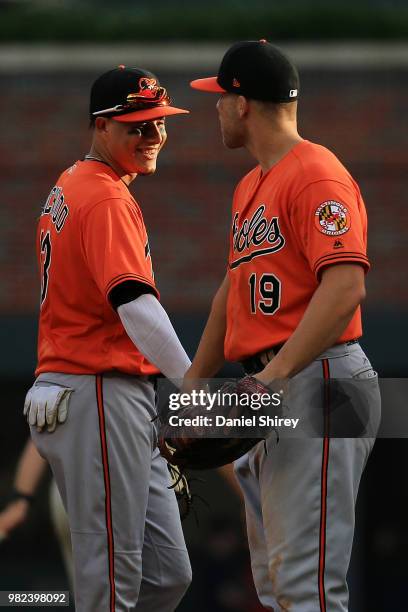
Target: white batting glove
[(46, 406)]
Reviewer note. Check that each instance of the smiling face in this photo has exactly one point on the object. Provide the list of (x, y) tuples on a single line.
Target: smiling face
[(131, 147)]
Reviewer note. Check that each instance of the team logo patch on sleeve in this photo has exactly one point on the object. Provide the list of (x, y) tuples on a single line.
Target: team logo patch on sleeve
[(332, 218)]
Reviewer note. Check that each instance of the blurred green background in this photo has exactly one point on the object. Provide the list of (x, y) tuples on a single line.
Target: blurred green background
[(353, 62), (142, 20)]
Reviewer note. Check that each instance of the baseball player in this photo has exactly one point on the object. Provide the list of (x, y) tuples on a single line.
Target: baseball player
[(289, 307), (103, 340)]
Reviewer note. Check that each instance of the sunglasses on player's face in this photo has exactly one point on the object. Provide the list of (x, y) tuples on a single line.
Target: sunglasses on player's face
[(156, 96)]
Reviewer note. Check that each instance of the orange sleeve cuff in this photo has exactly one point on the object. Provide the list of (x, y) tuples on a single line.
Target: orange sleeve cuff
[(345, 257)]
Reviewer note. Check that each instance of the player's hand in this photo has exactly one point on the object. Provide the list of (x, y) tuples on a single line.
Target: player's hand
[(45, 407), (194, 383), (280, 385)]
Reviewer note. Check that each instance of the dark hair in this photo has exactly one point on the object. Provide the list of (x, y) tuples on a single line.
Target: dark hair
[(274, 106)]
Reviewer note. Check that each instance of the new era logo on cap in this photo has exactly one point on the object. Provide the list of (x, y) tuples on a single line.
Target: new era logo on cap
[(255, 69)]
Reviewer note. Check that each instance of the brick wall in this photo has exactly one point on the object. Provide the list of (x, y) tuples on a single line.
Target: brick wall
[(359, 115)]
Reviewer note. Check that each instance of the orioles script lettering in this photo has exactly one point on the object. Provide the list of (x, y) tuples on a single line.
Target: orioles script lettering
[(255, 232)]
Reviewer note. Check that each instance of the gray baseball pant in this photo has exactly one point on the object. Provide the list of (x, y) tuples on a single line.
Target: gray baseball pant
[(300, 497), (128, 545)]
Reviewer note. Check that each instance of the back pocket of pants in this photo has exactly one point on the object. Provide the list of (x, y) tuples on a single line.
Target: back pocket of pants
[(365, 373)]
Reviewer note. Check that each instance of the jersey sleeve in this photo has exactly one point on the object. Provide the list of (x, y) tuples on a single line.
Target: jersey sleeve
[(330, 223), (115, 245)]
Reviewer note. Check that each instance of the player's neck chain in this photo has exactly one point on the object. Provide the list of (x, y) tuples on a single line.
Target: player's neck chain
[(95, 158), (102, 161)]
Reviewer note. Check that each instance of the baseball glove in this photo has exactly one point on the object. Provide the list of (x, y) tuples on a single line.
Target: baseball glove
[(186, 500), (181, 485), (192, 449)]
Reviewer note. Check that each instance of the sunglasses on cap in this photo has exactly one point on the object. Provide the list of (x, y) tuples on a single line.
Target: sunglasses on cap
[(148, 98)]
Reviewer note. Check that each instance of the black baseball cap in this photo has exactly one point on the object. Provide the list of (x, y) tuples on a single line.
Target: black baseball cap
[(130, 94), (254, 69)]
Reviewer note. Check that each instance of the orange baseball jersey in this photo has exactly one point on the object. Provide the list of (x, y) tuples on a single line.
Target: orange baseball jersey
[(305, 213), (91, 237)]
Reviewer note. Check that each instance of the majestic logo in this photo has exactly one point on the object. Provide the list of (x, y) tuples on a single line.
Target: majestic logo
[(332, 218), (258, 231), (338, 244)]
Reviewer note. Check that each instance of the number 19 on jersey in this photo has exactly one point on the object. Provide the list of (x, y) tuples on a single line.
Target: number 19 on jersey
[(265, 293)]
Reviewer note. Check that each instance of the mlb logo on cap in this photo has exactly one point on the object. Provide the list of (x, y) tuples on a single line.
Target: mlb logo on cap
[(254, 69)]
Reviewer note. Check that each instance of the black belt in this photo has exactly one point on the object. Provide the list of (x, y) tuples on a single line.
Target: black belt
[(257, 363), (153, 378), (254, 364)]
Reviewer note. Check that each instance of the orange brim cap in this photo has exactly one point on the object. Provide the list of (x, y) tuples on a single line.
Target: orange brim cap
[(150, 113), (208, 84)]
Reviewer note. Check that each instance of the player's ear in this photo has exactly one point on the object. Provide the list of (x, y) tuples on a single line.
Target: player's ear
[(101, 124), (242, 106)]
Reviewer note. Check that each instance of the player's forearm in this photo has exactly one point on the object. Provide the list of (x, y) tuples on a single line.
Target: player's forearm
[(210, 353), (30, 469), (149, 327), (327, 316), (209, 357)]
